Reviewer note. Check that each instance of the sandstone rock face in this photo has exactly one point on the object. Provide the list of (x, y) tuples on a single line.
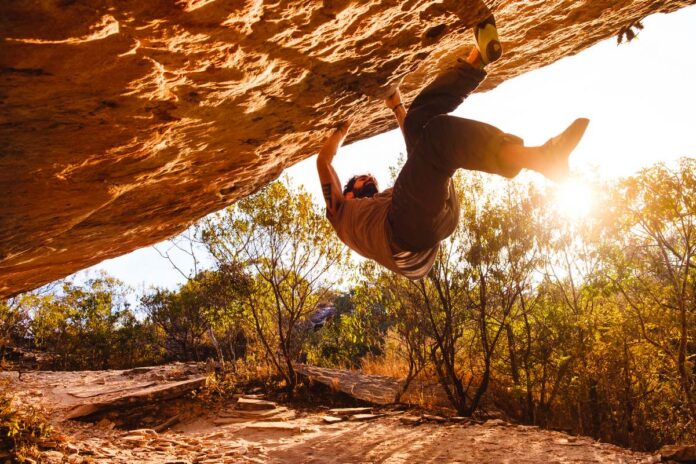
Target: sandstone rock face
[(124, 121)]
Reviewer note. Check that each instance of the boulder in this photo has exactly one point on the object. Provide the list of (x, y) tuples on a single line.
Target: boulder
[(133, 398), (679, 453), (123, 122)]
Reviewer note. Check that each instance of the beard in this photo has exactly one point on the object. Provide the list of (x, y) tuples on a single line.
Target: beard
[(367, 191)]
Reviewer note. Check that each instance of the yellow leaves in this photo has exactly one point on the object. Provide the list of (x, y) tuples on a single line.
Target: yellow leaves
[(21, 429)]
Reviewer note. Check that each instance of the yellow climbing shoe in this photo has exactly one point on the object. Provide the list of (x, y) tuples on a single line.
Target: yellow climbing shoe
[(487, 41)]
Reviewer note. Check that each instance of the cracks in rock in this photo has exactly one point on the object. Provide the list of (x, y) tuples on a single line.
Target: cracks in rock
[(435, 31), (25, 71), (192, 5), (162, 80), (106, 26), (132, 51)]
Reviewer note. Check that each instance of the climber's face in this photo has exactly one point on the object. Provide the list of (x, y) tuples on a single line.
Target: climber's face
[(364, 186)]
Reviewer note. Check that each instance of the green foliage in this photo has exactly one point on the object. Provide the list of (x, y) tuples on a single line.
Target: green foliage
[(89, 326), (585, 325), (357, 329), (454, 319), (202, 319), (606, 340), (292, 256), (654, 271), (14, 319)]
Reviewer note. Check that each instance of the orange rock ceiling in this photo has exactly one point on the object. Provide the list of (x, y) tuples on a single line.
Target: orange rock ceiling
[(123, 121)]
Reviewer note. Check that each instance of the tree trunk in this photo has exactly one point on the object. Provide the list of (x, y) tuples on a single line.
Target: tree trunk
[(216, 345), (514, 369)]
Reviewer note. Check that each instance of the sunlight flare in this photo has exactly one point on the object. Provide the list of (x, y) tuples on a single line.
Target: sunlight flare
[(574, 199)]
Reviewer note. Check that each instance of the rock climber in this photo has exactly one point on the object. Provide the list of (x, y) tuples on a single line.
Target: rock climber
[(401, 228)]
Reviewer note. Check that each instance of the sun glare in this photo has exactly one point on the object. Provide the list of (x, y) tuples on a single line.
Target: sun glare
[(574, 199)]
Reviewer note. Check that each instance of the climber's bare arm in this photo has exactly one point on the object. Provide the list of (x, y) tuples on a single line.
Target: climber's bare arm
[(394, 103), (330, 185)]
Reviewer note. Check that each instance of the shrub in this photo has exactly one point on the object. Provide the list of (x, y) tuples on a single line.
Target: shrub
[(21, 430)]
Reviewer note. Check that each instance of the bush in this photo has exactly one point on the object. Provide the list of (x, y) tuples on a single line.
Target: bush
[(21, 431)]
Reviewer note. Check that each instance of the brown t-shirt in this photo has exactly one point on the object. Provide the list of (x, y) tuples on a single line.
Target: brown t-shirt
[(362, 225)]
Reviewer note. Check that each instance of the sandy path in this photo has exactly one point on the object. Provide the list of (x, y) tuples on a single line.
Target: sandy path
[(387, 440), (295, 436)]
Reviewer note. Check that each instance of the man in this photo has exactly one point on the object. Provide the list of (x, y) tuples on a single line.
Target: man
[(401, 228)]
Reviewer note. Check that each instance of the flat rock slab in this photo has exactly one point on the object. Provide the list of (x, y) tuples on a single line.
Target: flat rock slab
[(463, 420), (495, 423), (411, 420), (274, 427), (364, 417), (236, 416), (382, 440), (142, 432), (229, 420), (91, 392), (349, 411), (260, 413), (331, 419), (686, 453), (161, 392), (135, 440), (252, 404), (376, 389)]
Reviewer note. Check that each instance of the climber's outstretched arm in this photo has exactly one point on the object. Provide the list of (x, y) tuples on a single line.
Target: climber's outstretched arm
[(394, 103), (330, 184)]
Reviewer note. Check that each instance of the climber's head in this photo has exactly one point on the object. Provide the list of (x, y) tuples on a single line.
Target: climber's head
[(364, 186)]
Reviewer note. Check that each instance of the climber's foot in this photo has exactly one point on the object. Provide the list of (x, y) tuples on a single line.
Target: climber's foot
[(487, 41), (474, 58), (557, 150)]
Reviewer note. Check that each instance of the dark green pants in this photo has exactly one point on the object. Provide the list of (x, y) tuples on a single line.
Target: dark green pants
[(424, 208)]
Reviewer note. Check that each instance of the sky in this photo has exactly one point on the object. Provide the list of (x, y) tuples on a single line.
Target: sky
[(640, 98)]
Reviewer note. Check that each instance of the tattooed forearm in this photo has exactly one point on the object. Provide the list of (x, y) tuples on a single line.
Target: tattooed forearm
[(326, 189)]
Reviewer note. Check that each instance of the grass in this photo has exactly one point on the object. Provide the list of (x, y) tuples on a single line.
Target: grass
[(392, 363)]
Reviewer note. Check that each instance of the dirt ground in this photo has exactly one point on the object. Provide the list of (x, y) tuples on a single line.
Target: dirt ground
[(284, 434)]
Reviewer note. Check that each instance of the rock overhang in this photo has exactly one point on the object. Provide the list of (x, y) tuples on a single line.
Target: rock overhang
[(125, 121)]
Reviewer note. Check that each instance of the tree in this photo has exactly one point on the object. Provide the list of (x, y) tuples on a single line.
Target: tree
[(572, 291), (14, 319), (654, 265), (181, 321), (190, 316), (464, 306), (81, 323), (293, 257), (358, 327)]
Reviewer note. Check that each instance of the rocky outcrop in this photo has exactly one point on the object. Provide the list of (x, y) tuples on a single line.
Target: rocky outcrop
[(124, 121), (140, 394), (376, 389), (676, 453)]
